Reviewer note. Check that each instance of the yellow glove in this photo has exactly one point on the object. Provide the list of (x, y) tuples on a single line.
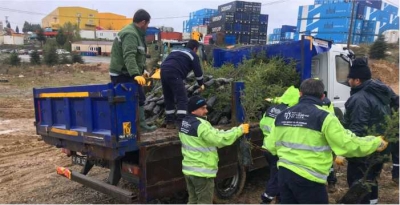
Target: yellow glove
[(140, 80), (202, 88), (245, 128), (383, 144), (339, 160)]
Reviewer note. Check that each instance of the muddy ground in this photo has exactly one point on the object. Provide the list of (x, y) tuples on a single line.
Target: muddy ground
[(27, 164)]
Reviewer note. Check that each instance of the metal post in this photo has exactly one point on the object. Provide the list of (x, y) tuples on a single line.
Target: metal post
[(351, 24), (237, 109)]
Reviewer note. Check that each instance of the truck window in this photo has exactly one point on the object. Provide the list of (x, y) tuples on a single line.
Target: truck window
[(315, 67), (342, 70)]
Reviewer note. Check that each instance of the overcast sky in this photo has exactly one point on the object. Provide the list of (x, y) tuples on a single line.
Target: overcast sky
[(282, 13)]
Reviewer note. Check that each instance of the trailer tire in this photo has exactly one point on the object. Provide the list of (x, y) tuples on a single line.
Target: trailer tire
[(229, 188)]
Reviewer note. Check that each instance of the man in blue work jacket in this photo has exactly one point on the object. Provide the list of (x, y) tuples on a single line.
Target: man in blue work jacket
[(174, 71)]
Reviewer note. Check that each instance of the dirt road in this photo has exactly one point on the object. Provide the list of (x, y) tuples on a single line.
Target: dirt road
[(27, 164)]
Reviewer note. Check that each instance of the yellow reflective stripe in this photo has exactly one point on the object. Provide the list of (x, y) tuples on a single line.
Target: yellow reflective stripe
[(66, 132), (315, 174), (303, 147), (201, 170), (199, 149), (64, 95)]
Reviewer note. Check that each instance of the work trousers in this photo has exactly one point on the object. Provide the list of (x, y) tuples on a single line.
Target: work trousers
[(294, 189), (174, 91), (355, 172), (128, 79), (200, 189), (272, 188), (395, 160)]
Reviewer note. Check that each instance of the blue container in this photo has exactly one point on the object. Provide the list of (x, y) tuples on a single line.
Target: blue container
[(336, 38), (367, 39), (152, 31), (263, 28), (230, 39), (287, 28), (377, 4), (356, 39), (338, 10), (325, 25), (389, 27), (358, 25), (263, 19), (232, 7), (223, 17), (255, 18), (227, 27), (246, 28), (391, 9), (238, 27), (370, 27), (277, 31), (244, 39)]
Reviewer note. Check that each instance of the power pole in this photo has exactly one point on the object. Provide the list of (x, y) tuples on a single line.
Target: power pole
[(351, 24)]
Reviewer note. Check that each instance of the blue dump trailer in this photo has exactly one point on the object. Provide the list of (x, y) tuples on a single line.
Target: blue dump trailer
[(96, 125)]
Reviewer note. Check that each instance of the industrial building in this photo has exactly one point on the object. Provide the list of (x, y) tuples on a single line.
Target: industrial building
[(86, 19), (331, 19), (92, 48)]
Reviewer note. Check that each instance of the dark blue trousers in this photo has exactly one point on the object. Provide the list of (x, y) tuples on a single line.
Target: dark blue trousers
[(294, 189), (128, 79), (174, 91), (355, 171), (272, 188)]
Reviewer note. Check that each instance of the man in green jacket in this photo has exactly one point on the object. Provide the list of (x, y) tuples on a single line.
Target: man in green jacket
[(303, 137), (128, 58), (199, 149)]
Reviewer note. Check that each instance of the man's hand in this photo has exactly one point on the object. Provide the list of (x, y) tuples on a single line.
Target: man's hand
[(146, 74), (383, 144), (339, 160), (140, 80), (245, 128)]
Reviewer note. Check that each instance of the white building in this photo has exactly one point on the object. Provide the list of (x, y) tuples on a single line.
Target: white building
[(106, 34), (13, 40), (99, 34), (94, 48)]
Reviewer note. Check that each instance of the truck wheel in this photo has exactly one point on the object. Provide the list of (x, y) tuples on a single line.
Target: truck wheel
[(226, 189)]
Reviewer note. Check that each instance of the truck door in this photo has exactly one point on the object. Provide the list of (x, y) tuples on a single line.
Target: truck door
[(339, 68), (319, 69)]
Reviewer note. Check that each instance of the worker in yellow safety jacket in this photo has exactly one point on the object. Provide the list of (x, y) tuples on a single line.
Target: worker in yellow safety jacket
[(199, 149), (303, 137), (289, 98)]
